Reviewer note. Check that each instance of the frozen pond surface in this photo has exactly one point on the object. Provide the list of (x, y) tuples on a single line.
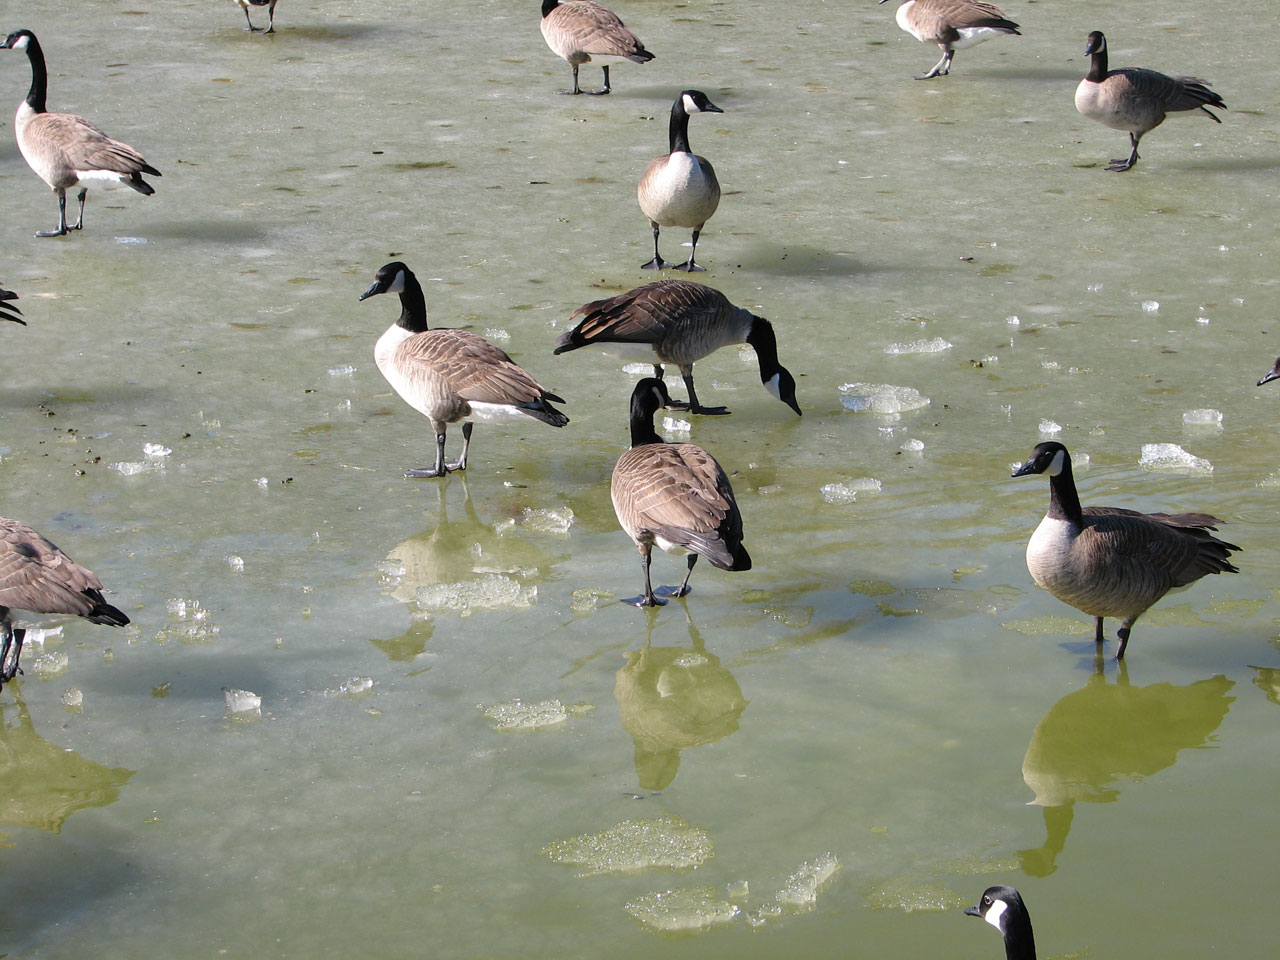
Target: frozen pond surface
[(298, 750)]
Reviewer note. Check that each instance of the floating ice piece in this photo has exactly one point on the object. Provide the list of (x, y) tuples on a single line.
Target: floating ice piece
[(73, 699), (639, 369), (242, 704), (36, 636), (263, 482), (355, 686), (342, 370), (518, 715), (799, 892), (914, 895), (1203, 320), (49, 665), (931, 345), (881, 398), (666, 842), (676, 425), (552, 520), (489, 592), (848, 492), (235, 563), (496, 333), (912, 446), (682, 911), (1171, 457), (131, 468), (1150, 306), (155, 450), (1202, 417), (1048, 428), (1013, 321)]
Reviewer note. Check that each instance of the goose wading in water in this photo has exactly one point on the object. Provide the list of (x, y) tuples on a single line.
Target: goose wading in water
[(1112, 562), (680, 322), (1136, 100), (578, 30), (66, 150), (680, 189), (450, 375), (674, 496)]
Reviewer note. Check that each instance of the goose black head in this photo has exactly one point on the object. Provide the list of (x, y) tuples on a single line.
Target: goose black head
[(1049, 457), (1002, 907), (1272, 374), (695, 101), (388, 279), (650, 395), (1097, 43), (18, 40)]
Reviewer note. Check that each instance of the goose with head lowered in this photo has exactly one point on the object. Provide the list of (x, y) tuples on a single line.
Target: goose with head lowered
[(680, 189), (36, 576), (1272, 374), (271, 14), (1112, 562), (1136, 100), (578, 30), (674, 496), (1002, 907), (66, 150), (450, 375), (952, 25), (7, 310), (680, 322)]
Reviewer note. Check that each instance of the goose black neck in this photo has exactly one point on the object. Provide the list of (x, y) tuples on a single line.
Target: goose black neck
[(765, 344), (1064, 502), (39, 76), (549, 5), (1019, 941), (642, 410), (413, 305), (1098, 65), (679, 127)]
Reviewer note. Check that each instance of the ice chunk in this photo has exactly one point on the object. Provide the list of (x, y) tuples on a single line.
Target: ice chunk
[(73, 699), (36, 636), (881, 398), (932, 345), (155, 450), (518, 715), (682, 911), (1202, 417), (496, 333), (676, 425), (343, 370), (912, 446), (1171, 457), (489, 592), (49, 665), (1048, 428), (130, 468), (552, 520), (799, 892), (355, 686), (235, 563), (659, 843), (587, 599), (189, 622), (848, 492), (242, 704), (638, 369), (914, 895), (1013, 321), (1150, 306), (263, 482)]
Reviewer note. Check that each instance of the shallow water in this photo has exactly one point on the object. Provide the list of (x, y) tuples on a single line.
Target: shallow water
[(886, 685)]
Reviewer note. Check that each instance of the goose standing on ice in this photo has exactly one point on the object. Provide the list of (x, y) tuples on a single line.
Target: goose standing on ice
[(680, 189), (66, 150), (680, 322), (1136, 100), (1112, 562), (271, 14), (952, 25), (578, 30), (35, 575), (451, 375)]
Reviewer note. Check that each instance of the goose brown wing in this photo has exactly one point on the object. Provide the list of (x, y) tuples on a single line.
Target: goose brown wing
[(591, 28), (83, 146), (469, 366), (943, 19), (647, 314), (1168, 93), (35, 575), (1151, 553)]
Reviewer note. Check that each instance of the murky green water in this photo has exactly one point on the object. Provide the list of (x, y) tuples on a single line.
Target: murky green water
[(886, 686)]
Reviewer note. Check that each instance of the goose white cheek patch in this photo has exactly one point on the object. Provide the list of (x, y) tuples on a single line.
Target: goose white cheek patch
[(397, 285), (689, 105), (1055, 468), (998, 907), (772, 386)]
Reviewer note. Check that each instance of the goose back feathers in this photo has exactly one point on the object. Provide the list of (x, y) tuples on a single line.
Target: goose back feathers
[(578, 30)]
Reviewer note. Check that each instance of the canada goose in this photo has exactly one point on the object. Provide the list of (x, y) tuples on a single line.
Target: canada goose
[(1135, 99), (1111, 562), (680, 322), (37, 576), (271, 13), (1002, 907), (7, 310), (673, 495), (1272, 374), (578, 30), (66, 150), (952, 25), (451, 375), (680, 189)]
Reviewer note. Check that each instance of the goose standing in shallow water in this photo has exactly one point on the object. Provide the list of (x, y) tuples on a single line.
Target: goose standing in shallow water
[(675, 496), (1002, 907), (7, 310), (680, 322), (1134, 99), (37, 576), (271, 14), (578, 30), (952, 25), (680, 189), (66, 150), (1112, 562), (451, 375)]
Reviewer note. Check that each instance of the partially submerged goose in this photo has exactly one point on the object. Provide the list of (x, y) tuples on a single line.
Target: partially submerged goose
[(1002, 907), (271, 13), (1112, 562), (952, 25), (674, 496), (66, 150), (680, 322), (37, 576), (7, 310), (578, 30), (451, 375), (1136, 100), (680, 189)]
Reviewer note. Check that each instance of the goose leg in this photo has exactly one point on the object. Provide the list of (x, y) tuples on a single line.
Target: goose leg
[(10, 653), (648, 600), (251, 28), (606, 89), (461, 463), (689, 264), (576, 89), (1119, 166), (1097, 631), (79, 224), (1123, 635), (439, 470), (694, 405), (657, 263), (62, 218), (271, 17), (683, 589), (942, 67)]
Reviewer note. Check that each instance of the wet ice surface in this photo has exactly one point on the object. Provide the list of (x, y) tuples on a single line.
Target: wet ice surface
[(799, 891), (926, 345), (847, 492), (492, 591), (659, 843), (520, 715), (883, 398), (689, 910), (1171, 457)]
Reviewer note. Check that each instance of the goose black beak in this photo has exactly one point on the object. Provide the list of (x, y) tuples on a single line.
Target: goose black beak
[(969, 911), (1274, 374), (1022, 471), (372, 291)]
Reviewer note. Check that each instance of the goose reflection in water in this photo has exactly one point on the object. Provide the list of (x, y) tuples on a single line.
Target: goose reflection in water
[(41, 783), (1267, 679), (673, 698), (1104, 733)]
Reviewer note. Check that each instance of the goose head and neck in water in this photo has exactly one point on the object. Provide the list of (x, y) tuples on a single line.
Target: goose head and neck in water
[(1002, 907)]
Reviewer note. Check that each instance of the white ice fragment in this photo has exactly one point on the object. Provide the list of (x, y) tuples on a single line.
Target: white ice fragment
[(496, 333), (676, 425), (682, 911), (155, 450), (355, 686), (1048, 428), (912, 446), (1150, 306), (933, 345), (130, 468), (131, 239), (639, 369), (1170, 456), (490, 592), (235, 563), (49, 665), (799, 892), (556, 521), (1094, 287), (263, 482), (1012, 321), (1202, 320), (242, 703), (838, 493), (36, 636), (342, 370), (73, 698), (1202, 417), (518, 715), (665, 842), (883, 398)]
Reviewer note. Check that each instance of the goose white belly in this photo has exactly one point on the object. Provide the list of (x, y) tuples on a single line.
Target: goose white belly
[(1049, 553), (678, 195), (972, 36), (1090, 103), (409, 391)]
